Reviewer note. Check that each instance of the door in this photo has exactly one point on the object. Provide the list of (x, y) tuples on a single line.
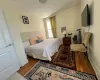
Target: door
[(8, 59)]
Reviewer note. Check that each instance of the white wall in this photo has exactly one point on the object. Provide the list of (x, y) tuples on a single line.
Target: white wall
[(14, 20), (71, 18), (36, 23), (94, 51)]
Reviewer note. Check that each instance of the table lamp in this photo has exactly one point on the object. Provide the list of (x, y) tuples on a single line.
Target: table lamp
[(64, 32)]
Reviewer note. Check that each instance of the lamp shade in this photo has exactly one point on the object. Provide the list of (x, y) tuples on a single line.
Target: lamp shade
[(64, 32)]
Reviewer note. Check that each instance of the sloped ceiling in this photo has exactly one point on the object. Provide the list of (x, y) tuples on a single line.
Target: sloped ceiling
[(43, 9)]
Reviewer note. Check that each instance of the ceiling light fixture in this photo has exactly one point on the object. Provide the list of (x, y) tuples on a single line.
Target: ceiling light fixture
[(42, 1)]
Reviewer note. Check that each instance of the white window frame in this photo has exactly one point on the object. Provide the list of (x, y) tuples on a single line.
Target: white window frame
[(49, 28)]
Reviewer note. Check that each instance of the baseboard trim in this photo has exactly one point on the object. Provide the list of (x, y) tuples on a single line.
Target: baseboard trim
[(95, 66)]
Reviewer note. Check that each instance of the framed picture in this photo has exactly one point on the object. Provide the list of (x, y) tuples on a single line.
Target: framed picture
[(63, 29), (25, 19)]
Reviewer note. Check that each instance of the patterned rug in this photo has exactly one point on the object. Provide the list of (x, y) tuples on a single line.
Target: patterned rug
[(46, 71), (64, 58)]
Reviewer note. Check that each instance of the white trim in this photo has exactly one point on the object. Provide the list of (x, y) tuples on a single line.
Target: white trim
[(94, 64)]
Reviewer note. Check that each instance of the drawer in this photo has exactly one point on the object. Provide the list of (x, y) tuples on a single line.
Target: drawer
[(67, 41), (67, 45)]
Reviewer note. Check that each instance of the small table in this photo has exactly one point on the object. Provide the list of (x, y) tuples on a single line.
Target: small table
[(67, 41)]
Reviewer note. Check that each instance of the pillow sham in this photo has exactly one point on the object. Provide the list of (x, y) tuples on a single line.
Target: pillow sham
[(40, 37), (32, 41)]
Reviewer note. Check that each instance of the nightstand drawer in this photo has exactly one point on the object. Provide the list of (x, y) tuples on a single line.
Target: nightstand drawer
[(67, 41)]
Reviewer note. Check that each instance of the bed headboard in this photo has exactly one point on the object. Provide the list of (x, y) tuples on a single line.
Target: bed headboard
[(26, 35)]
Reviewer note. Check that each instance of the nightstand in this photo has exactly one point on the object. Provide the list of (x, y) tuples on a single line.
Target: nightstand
[(66, 44), (67, 41)]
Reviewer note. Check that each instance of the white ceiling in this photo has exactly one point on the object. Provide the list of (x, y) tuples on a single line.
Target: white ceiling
[(43, 9)]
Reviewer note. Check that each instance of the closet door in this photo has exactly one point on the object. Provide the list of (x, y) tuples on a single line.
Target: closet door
[(8, 59)]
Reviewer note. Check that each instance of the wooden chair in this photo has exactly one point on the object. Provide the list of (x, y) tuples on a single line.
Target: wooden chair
[(82, 47)]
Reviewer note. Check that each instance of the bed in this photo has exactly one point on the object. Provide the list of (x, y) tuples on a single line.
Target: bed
[(43, 50)]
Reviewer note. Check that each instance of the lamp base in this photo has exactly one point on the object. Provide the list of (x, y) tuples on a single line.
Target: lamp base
[(65, 35)]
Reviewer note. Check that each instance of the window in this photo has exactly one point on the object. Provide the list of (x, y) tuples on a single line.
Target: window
[(49, 29)]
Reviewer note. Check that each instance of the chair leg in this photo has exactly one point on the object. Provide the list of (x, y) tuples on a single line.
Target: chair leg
[(86, 55)]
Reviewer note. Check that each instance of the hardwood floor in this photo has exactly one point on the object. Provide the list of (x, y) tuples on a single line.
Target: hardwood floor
[(82, 64), (23, 70)]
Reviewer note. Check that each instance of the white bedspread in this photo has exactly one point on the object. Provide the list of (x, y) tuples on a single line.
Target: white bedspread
[(45, 49)]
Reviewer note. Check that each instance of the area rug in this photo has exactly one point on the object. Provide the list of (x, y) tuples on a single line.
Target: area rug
[(46, 71), (64, 58)]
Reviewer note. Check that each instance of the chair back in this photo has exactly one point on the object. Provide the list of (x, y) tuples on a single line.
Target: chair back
[(87, 38)]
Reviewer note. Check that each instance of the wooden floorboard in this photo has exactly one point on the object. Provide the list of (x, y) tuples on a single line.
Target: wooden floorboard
[(82, 64), (23, 70)]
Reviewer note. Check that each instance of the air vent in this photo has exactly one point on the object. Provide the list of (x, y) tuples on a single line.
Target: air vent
[(42, 1)]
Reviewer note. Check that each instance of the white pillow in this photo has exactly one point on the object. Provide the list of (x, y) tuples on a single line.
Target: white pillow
[(26, 44)]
